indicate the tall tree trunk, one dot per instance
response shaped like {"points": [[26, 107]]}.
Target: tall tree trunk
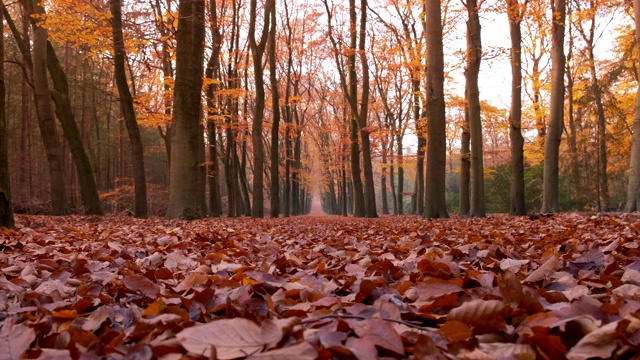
{"points": [[64, 112], [349, 84], [6, 207], [572, 134], [422, 144], [517, 196], [167, 72], [436, 205], [556, 111], [474, 55], [400, 187], [363, 114], [213, 74], [26, 191], [274, 190], [185, 182], [46, 121], [126, 104], [633, 188], [465, 165], [257, 52]]}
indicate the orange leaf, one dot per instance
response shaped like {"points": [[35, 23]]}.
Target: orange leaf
{"points": [[456, 331]]}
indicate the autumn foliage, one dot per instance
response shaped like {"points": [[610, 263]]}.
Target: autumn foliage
{"points": [[564, 286]]}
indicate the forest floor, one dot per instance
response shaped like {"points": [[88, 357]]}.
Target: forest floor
{"points": [[321, 287]]}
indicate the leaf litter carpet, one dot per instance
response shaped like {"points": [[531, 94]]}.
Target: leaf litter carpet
{"points": [[565, 286]]}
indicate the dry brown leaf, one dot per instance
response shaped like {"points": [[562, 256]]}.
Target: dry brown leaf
{"points": [[232, 338], [300, 351], [544, 270], [599, 343], [475, 312], [15, 339], [509, 351], [193, 279], [380, 333]]}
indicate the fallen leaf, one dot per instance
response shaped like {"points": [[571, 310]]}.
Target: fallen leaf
{"points": [[15, 339], [232, 338]]}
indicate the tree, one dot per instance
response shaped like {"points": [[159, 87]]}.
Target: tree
{"points": [[474, 56], [6, 207], [436, 206], [128, 112], [589, 37], [212, 73], [37, 71], [556, 110], [65, 115], [257, 52], [274, 190], [184, 179], [633, 187], [515, 13]]}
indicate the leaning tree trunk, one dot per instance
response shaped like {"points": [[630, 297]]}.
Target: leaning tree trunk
{"points": [[556, 111], [517, 206], [6, 208], [474, 55], [128, 111], [436, 205], [64, 112], [633, 188], [47, 122], [185, 180]]}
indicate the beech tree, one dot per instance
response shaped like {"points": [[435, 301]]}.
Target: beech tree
{"points": [[257, 53], [37, 71], [128, 112], [556, 110], [6, 207], [633, 187], [474, 56], [436, 205], [185, 182], [515, 13]]}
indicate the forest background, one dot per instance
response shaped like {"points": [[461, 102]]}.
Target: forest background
{"points": [[351, 106]]}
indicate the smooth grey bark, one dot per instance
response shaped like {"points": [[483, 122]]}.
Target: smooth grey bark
{"points": [[184, 175], [516, 191], [128, 111], [556, 110], [633, 187], [436, 205], [474, 56]]}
